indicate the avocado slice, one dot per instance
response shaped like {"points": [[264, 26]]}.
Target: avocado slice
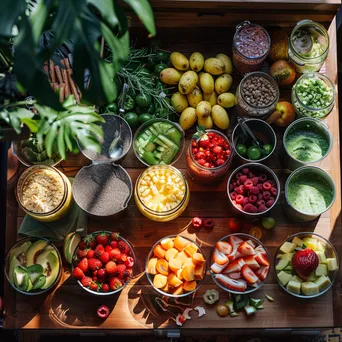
{"points": [[16, 252], [50, 263], [14, 263], [21, 278], [32, 251]]}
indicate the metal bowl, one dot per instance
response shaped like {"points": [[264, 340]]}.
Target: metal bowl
{"points": [[330, 252]]}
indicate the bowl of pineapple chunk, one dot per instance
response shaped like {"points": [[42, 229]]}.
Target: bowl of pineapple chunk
{"points": [[306, 265], [176, 266]]}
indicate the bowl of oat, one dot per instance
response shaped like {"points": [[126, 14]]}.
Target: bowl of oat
{"points": [[44, 193]]}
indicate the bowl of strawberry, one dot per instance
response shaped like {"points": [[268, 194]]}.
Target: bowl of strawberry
{"points": [[103, 263], [208, 156], [253, 190], [240, 263]]}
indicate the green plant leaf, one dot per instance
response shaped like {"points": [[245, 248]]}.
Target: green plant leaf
{"points": [[9, 14], [106, 8], [143, 10], [31, 124], [15, 117], [61, 142]]}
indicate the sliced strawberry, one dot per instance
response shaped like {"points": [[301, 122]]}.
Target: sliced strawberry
{"points": [[246, 249], [232, 255], [251, 262], [234, 240], [224, 247], [234, 266], [260, 250], [252, 243], [248, 274], [231, 284], [216, 268], [262, 260], [235, 275], [262, 272], [219, 258]]}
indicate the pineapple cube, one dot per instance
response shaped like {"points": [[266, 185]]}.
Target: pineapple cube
{"points": [[322, 282], [286, 256], [191, 249], [293, 286], [310, 243], [297, 279], [332, 264], [288, 247], [320, 246], [299, 242], [322, 269], [309, 288], [321, 256], [284, 277], [282, 264]]}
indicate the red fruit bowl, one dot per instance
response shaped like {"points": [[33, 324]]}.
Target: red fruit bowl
{"points": [[240, 263], [99, 273], [306, 265]]}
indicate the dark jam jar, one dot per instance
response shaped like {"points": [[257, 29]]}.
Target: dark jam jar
{"points": [[251, 45]]}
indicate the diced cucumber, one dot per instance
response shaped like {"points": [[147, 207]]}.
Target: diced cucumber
{"points": [[282, 264], [297, 279], [174, 135], [289, 269], [322, 282], [288, 247], [161, 127], [321, 256], [299, 242], [284, 277], [309, 288], [166, 140], [293, 286], [312, 277], [322, 269], [332, 264], [150, 147], [157, 155], [149, 158]]}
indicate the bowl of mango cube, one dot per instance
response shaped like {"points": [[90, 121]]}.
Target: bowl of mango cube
{"points": [[176, 266]]}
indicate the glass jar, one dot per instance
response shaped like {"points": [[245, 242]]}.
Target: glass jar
{"points": [[251, 45], [313, 96], [205, 175], [257, 95], [161, 193], [44, 193], [308, 46]]}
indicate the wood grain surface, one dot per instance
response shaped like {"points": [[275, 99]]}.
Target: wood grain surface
{"points": [[131, 308]]}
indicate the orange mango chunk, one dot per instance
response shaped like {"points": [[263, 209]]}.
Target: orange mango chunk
{"points": [[188, 262], [189, 285], [180, 242], [162, 266], [159, 281], [179, 274], [173, 281], [178, 290], [181, 256], [198, 258], [151, 266], [166, 288], [159, 252], [191, 249], [171, 254], [175, 264], [189, 273], [199, 271], [166, 243]]}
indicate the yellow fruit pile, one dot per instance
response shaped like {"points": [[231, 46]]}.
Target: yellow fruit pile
{"points": [[203, 87]]}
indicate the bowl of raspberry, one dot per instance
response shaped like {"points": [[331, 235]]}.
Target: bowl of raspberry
{"points": [[208, 156], [253, 190], [103, 263]]}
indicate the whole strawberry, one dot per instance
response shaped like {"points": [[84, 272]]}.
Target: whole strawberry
{"points": [[82, 245], [77, 273], [114, 244], [94, 264], [114, 283], [101, 273], [94, 286], [86, 281], [90, 254], [99, 250], [114, 236], [102, 239], [123, 247], [105, 287], [305, 262], [82, 253], [108, 248], [83, 265], [104, 257], [111, 267], [115, 254]]}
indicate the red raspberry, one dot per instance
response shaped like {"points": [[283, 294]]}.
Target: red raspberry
{"points": [[238, 175], [245, 170], [250, 208], [114, 244], [233, 195], [254, 190], [267, 186], [234, 202], [90, 254], [272, 198], [259, 186], [231, 187], [269, 203], [255, 180], [262, 178], [239, 206], [108, 248], [105, 287], [260, 202], [245, 201], [105, 257], [234, 184], [266, 195], [260, 197], [252, 198], [243, 179], [262, 208], [240, 189], [248, 184], [239, 199], [274, 191], [250, 175]]}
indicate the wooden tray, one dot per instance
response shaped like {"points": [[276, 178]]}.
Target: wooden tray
{"points": [[130, 310]]}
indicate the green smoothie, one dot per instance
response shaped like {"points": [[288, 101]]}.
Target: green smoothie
{"points": [[307, 145], [309, 193]]}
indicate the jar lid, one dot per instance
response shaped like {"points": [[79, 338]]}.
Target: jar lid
{"points": [[102, 189], [117, 140]]}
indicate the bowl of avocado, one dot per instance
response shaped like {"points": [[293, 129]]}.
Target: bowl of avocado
{"points": [[158, 142], [33, 266]]}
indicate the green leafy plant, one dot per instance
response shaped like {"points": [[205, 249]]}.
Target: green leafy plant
{"points": [[23, 28]]}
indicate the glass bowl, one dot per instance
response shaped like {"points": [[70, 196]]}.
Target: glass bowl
{"points": [[148, 124], [74, 264], [330, 252], [263, 251], [150, 277], [11, 255], [262, 169]]}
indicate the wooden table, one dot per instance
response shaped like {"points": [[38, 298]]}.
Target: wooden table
{"points": [[128, 310]]}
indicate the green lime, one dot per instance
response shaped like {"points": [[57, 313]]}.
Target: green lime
{"points": [[143, 100], [112, 108], [267, 149], [268, 222], [162, 56], [132, 119], [241, 149], [253, 153], [145, 117], [140, 110], [159, 68]]}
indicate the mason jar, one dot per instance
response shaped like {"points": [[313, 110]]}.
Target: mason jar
{"points": [[251, 45], [313, 95], [308, 46]]}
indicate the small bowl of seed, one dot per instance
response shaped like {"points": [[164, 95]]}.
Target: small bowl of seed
{"points": [[257, 95]]}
